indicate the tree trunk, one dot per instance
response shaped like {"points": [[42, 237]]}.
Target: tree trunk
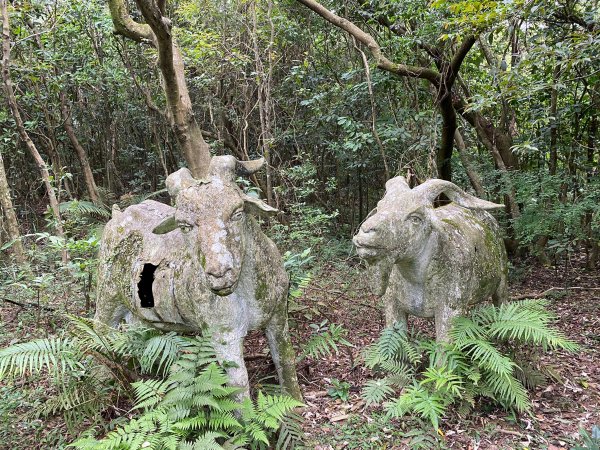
{"points": [[12, 226], [88, 175], [12, 102], [265, 105], [158, 33], [552, 165], [474, 177]]}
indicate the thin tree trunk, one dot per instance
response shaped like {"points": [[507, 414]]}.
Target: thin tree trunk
{"points": [[12, 225], [12, 102], [474, 177], [593, 242], [373, 115], [554, 130], [158, 33], [264, 96], [88, 175]]}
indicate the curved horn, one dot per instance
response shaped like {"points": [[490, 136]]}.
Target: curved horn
{"points": [[246, 168], [228, 165], [179, 180], [431, 189], [397, 184]]}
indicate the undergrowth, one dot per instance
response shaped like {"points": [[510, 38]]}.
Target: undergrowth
{"points": [[492, 354], [179, 391]]}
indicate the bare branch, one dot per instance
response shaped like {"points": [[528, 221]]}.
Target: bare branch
{"points": [[366, 39], [126, 26]]}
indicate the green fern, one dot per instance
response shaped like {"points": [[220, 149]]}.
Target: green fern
{"points": [[82, 208], [325, 341], [479, 361], [375, 391], [183, 402]]}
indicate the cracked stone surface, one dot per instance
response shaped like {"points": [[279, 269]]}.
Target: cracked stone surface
{"points": [[214, 268], [432, 261]]}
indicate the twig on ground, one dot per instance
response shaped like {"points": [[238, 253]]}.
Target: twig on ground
{"points": [[547, 291], [28, 305]]}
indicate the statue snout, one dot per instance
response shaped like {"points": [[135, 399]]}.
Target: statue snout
{"points": [[221, 280]]}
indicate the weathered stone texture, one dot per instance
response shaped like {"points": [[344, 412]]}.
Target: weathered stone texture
{"points": [[432, 262], [207, 264]]}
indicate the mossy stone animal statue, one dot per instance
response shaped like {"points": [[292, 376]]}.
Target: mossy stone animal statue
{"points": [[432, 262], [203, 263]]}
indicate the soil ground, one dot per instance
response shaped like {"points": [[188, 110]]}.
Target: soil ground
{"points": [[338, 294], [560, 408]]}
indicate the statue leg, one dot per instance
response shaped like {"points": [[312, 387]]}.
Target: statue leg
{"points": [[110, 311], [394, 314], [283, 354], [230, 348], [501, 294], [443, 322]]}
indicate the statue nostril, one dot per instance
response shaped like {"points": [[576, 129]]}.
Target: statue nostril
{"points": [[218, 273], [369, 228]]}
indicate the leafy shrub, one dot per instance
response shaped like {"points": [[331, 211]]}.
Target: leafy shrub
{"points": [[490, 355], [297, 266], [339, 389], [180, 393]]}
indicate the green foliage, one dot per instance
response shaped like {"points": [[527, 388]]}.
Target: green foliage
{"points": [[297, 266], [182, 402], [339, 389], [324, 340], [309, 224], [487, 357], [590, 442]]}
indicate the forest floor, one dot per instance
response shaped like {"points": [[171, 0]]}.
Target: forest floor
{"points": [[338, 294], [560, 408]]}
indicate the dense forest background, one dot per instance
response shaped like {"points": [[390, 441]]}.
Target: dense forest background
{"points": [[500, 97], [277, 80]]}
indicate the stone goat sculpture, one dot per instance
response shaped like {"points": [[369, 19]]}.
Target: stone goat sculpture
{"points": [[432, 262], [205, 262]]}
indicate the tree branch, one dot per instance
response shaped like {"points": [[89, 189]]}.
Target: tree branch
{"points": [[126, 26], [401, 31], [369, 41], [458, 59]]}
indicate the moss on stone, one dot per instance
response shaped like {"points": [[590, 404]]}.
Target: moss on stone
{"points": [[261, 292], [451, 222]]}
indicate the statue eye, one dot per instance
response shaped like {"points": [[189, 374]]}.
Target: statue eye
{"points": [[238, 215], [415, 220], [185, 227]]}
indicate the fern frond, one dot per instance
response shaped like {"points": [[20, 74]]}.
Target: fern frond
{"points": [[508, 391], [326, 342], [291, 436], [149, 392], [487, 356], [55, 354], [79, 208], [375, 391], [271, 409]]}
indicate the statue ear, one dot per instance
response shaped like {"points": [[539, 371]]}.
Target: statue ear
{"points": [[257, 207], [166, 226], [397, 184], [245, 168], [179, 180]]}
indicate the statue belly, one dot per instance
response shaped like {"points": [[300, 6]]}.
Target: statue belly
{"points": [[414, 303]]}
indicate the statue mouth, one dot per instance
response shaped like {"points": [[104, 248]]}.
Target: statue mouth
{"points": [[363, 246], [223, 292], [221, 286]]}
